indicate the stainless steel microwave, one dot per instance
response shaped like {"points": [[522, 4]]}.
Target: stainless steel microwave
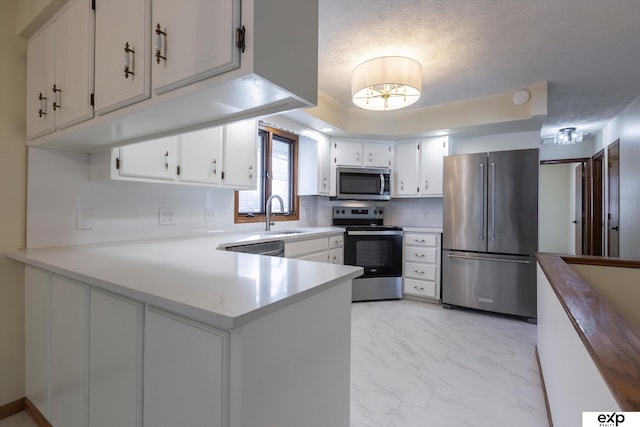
{"points": [[363, 183]]}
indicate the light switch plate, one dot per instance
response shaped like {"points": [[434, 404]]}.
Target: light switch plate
{"points": [[166, 216]]}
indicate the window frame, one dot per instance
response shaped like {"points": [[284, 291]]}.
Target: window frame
{"points": [[294, 214]]}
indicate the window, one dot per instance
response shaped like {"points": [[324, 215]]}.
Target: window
{"points": [[277, 172]]}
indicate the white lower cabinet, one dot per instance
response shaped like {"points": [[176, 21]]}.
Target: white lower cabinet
{"points": [[38, 339], [325, 249], [69, 353], [421, 270], [185, 372], [115, 360]]}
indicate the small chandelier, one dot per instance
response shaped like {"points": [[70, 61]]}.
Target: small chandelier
{"points": [[387, 83], [567, 136]]}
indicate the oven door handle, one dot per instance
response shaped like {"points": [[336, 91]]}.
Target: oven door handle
{"points": [[375, 233]]}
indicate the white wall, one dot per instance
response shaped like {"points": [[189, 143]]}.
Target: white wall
{"points": [[626, 127], [12, 203], [502, 142], [58, 184]]}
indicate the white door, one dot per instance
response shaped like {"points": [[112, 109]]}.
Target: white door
{"points": [[41, 51], [69, 351], [378, 155], [348, 153], [120, 25], [74, 64], [432, 154], [198, 41], [201, 156], [155, 159], [37, 339], [406, 169], [115, 386], [185, 372], [240, 154]]}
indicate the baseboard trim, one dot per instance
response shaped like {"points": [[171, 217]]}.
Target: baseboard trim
{"points": [[11, 408], [544, 389], [35, 414]]}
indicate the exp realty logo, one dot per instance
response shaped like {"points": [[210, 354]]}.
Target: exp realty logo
{"points": [[611, 419]]}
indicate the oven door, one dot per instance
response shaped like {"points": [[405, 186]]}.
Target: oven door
{"points": [[379, 252]]}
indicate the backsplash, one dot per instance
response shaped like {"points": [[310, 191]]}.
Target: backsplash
{"points": [[58, 186]]}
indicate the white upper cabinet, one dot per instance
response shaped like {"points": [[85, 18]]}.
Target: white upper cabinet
{"points": [[432, 154], [191, 65], [354, 153], [240, 155], [123, 33], [155, 159], [40, 80], [419, 168], [314, 167], [378, 155], [60, 71], [193, 40], [201, 156], [407, 158]]}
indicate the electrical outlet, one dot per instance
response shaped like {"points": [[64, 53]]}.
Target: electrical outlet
{"points": [[209, 216], [84, 219], [166, 216]]}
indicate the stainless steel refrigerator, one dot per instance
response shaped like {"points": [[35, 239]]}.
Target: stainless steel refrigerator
{"points": [[491, 231]]}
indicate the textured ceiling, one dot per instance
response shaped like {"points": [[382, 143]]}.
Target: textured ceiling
{"points": [[587, 50]]}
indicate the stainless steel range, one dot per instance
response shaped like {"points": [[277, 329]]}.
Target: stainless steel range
{"points": [[373, 246]]}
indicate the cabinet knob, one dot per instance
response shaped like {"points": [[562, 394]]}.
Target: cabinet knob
{"points": [[324, 182], [166, 160], [426, 184], [358, 156], [128, 61], [250, 171], [402, 185], [159, 45], [215, 166], [370, 157]]}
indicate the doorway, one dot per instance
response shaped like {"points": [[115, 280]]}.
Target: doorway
{"points": [[613, 201]]}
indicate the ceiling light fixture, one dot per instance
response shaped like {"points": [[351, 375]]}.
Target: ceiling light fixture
{"points": [[567, 136], [442, 132], [386, 83]]}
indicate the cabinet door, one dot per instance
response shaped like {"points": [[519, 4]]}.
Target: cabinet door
{"points": [[336, 256], [69, 353], [432, 154], [37, 339], [185, 372], [348, 153], [240, 154], [314, 166], [115, 391], [120, 23], [40, 79], [199, 41], [74, 64], [201, 156], [406, 169], [153, 159], [324, 167], [378, 155]]}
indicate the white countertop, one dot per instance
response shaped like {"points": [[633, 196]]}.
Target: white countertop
{"points": [[190, 277], [422, 229]]}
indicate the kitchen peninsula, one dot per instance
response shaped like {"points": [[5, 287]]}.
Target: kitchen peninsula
{"points": [[175, 332]]}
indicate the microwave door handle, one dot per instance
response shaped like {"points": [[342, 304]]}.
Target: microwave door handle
{"points": [[381, 184]]}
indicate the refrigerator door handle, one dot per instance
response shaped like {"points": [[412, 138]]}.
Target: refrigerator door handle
{"points": [[517, 261], [493, 201], [484, 197]]}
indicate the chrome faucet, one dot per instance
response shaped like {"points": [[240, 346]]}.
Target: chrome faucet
{"points": [[268, 208]]}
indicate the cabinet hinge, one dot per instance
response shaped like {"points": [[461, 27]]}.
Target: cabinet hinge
{"points": [[117, 163], [240, 34], [93, 5], [92, 100], [178, 170]]}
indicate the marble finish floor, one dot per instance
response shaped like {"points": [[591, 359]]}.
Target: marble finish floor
{"points": [[415, 364]]}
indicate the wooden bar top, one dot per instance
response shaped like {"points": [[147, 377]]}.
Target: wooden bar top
{"points": [[612, 342]]}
